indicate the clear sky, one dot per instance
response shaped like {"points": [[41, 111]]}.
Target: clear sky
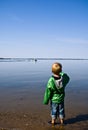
{"points": [[44, 28]]}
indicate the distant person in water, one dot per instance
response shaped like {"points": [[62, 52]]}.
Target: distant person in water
{"points": [[55, 93]]}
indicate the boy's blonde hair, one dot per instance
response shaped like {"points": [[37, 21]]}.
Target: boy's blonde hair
{"points": [[56, 68]]}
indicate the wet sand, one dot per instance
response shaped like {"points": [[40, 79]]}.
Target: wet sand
{"points": [[26, 112], [39, 120]]}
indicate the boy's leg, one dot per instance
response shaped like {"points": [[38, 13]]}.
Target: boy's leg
{"points": [[53, 112], [61, 112]]}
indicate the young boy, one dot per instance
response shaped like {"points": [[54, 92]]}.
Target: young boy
{"points": [[55, 92]]}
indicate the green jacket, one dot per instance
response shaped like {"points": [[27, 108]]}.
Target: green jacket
{"points": [[53, 93]]}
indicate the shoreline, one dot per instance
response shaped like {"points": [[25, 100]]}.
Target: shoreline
{"points": [[25, 111], [37, 116], [38, 120]]}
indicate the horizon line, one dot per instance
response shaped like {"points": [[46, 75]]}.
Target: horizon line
{"points": [[32, 58]]}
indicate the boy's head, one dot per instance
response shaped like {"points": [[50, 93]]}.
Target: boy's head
{"points": [[56, 68]]}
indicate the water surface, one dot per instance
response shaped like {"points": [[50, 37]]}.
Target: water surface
{"points": [[22, 86]]}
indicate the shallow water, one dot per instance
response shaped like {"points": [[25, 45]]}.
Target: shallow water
{"points": [[22, 86]]}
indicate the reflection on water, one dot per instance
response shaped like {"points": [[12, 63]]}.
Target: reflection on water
{"points": [[26, 73]]}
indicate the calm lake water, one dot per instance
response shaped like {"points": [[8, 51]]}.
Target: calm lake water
{"points": [[22, 86], [23, 80]]}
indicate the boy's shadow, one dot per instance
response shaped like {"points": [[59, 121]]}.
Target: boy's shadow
{"points": [[76, 119]]}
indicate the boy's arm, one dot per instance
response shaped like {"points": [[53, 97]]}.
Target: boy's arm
{"points": [[48, 94], [65, 79]]}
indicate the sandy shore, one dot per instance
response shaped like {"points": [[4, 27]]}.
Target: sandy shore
{"points": [[26, 112], [37, 117], [40, 120]]}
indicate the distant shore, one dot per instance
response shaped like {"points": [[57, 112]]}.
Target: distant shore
{"points": [[43, 58]]}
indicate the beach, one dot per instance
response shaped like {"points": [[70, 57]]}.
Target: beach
{"points": [[25, 114], [38, 117], [22, 87]]}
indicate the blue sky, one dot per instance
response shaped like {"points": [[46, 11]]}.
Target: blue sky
{"points": [[44, 28]]}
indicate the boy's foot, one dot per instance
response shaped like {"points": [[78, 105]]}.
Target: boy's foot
{"points": [[53, 124], [53, 121], [62, 121]]}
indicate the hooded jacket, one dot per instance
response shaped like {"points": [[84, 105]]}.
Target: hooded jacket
{"points": [[55, 90]]}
